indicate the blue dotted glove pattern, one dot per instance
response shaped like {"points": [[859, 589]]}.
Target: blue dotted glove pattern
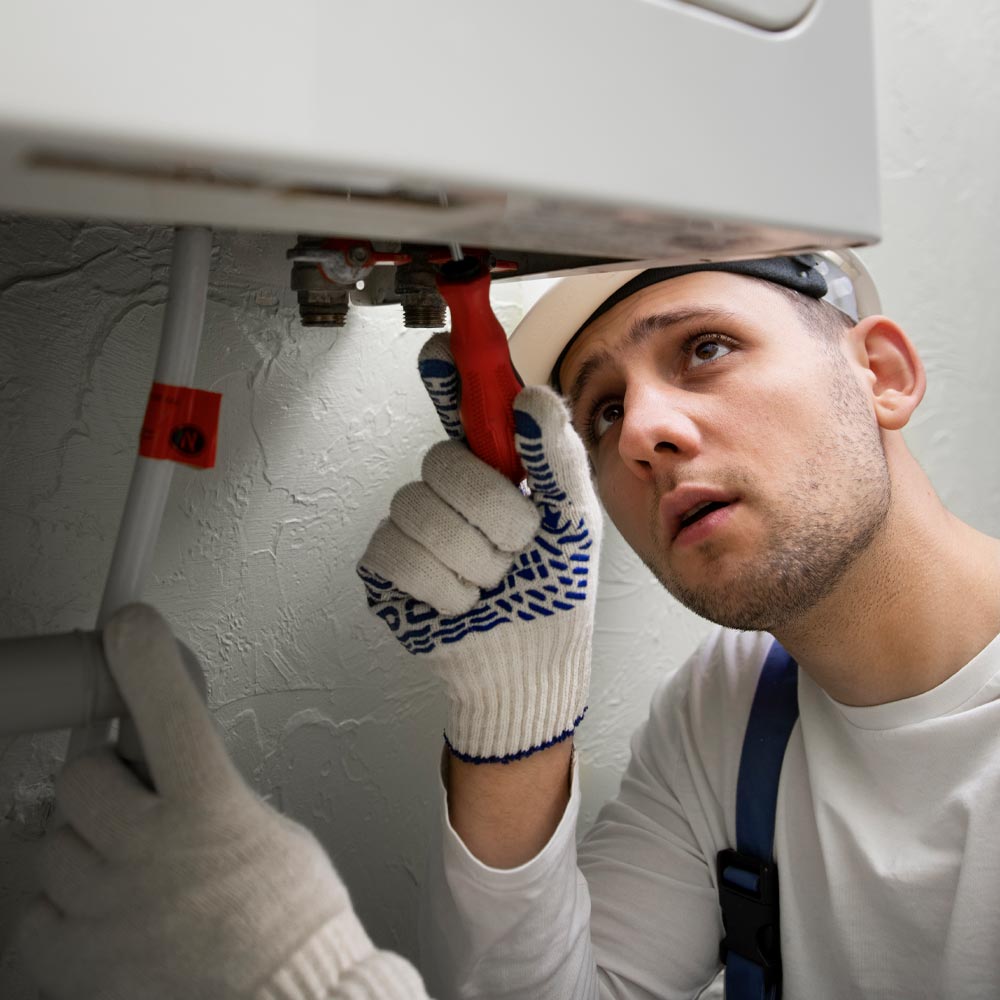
{"points": [[441, 381], [550, 576]]}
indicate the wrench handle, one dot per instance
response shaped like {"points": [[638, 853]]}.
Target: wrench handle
{"points": [[488, 380]]}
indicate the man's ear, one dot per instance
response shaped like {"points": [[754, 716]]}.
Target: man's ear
{"points": [[895, 373]]}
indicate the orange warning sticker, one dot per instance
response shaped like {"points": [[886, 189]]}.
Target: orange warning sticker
{"points": [[181, 425]]}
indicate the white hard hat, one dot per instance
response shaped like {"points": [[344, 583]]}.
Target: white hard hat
{"points": [[539, 340]]}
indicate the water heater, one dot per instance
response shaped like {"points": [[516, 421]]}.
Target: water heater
{"points": [[604, 130]]}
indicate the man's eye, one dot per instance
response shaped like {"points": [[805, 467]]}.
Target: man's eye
{"points": [[708, 349], [605, 414]]}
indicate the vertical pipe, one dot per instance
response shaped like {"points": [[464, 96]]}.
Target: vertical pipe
{"points": [[150, 484]]}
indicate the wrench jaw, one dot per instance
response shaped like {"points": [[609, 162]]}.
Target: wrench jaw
{"points": [[330, 274]]}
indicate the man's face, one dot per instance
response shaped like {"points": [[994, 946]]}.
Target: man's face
{"points": [[736, 451]]}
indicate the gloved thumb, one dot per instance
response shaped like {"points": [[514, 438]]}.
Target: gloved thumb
{"points": [[186, 756], [553, 454], [439, 374]]}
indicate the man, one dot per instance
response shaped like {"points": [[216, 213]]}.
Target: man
{"points": [[746, 441], [745, 437]]}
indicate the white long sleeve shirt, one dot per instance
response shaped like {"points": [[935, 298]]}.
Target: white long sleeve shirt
{"points": [[887, 842]]}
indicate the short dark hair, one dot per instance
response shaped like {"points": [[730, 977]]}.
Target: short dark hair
{"points": [[819, 316]]}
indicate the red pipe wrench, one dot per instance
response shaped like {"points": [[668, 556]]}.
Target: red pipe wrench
{"points": [[489, 381]]}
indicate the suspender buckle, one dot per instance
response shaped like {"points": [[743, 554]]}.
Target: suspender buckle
{"points": [[748, 896]]}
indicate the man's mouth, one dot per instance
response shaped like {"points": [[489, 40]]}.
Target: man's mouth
{"points": [[688, 505], [700, 510]]}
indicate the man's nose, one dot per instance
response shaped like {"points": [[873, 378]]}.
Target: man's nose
{"points": [[657, 429]]}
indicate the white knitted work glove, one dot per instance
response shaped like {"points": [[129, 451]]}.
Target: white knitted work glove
{"points": [[494, 590], [198, 890]]}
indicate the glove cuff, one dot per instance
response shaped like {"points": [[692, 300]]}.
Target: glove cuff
{"points": [[513, 696], [317, 967], [339, 962]]}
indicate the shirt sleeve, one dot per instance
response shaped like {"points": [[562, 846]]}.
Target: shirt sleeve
{"points": [[634, 914], [507, 933]]}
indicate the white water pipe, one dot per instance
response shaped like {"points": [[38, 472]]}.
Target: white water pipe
{"points": [[61, 681], [54, 682], [150, 484]]}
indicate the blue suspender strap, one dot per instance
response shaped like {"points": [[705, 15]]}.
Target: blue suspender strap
{"points": [[748, 876]]}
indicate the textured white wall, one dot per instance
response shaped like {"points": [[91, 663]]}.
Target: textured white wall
{"points": [[255, 567]]}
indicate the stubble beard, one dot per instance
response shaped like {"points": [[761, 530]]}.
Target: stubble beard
{"points": [[831, 514]]}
